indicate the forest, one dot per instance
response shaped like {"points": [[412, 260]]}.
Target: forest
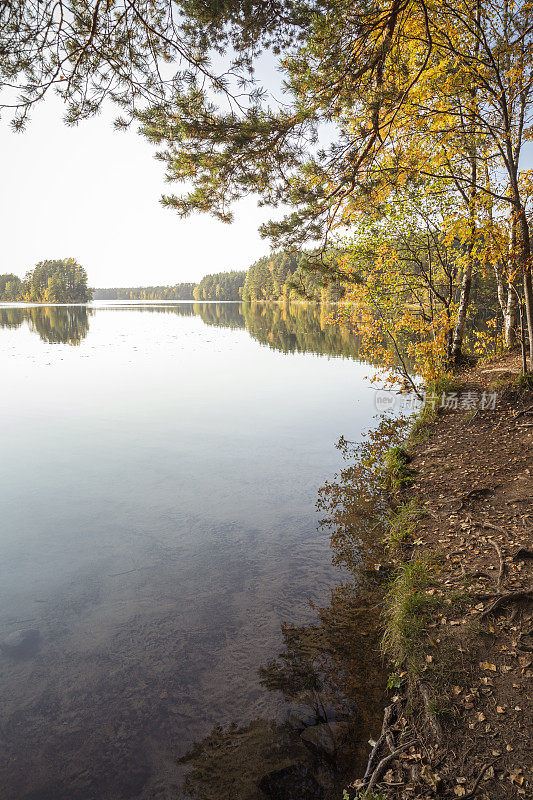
{"points": [[52, 281], [181, 291], [280, 276], [291, 275], [220, 286]]}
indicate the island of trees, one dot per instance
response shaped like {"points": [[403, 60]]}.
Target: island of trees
{"points": [[53, 281]]}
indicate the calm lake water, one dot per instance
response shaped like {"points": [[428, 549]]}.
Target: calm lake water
{"points": [[160, 469]]}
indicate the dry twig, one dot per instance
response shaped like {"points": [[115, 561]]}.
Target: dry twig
{"points": [[475, 787]]}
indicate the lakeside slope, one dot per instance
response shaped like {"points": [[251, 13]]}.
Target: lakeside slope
{"points": [[459, 618]]}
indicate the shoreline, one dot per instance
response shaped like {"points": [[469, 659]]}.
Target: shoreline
{"points": [[458, 610]]}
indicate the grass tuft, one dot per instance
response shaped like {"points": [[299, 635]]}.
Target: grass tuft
{"points": [[398, 473], [403, 521], [408, 609], [524, 381]]}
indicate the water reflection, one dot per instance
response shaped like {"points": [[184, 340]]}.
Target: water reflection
{"points": [[329, 672], [53, 324], [297, 328], [294, 328], [169, 531]]}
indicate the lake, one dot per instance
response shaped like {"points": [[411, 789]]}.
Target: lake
{"points": [[160, 471]]}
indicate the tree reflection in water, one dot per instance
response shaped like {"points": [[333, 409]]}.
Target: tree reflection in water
{"points": [[54, 324], [330, 672], [291, 328], [301, 328]]}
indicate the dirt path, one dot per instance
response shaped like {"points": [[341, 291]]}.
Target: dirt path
{"points": [[460, 612]]}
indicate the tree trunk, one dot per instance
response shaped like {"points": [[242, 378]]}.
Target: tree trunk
{"points": [[460, 325], [528, 299], [466, 283], [524, 251], [508, 307], [510, 318]]}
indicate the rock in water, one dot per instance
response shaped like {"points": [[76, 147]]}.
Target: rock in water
{"points": [[300, 721], [294, 782], [21, 644], [320, 739]]}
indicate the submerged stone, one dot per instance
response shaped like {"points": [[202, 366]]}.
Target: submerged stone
{"points": [[300, 721], [320, 739], [21, 644], [291, 783]]}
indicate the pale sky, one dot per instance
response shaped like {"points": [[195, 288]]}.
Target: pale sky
{"points": [[92, 193]]}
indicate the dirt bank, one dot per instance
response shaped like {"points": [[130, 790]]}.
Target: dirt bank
{"points": [[459, 622]]}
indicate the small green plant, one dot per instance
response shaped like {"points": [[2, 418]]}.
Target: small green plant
{"points": [[444, 385], [440, 708], [396, 679], [524, 381], [398, 473]]}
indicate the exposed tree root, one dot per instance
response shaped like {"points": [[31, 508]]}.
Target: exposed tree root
{"points": [[380, 769], [504, 599], [524, 411], [385, 737], [434, 724]]}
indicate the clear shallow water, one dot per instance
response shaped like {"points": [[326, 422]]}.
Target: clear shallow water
{"points": [[160, 468]]}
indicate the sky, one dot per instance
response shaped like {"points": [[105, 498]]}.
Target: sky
{"points": [[92, 193]]}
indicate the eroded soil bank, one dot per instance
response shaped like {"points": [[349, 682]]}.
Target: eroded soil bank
{"points": [[459, 619]]}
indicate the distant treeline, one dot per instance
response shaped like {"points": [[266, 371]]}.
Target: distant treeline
{"points": [[279, 276], [181, 291], [289, 276], [221, 286], [52, 281]]}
